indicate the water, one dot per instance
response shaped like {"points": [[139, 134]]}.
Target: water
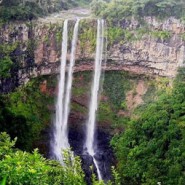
{"points": [[70, 76], [60, 137], [64, 95], [90, 139]]}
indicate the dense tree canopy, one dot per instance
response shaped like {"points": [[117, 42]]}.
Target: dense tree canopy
{"points": [[18, 167], [139, 8], [152, 149], [31, 9]]}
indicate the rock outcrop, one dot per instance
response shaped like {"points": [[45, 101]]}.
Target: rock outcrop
{"points": [[39, 49], [154, 52]]}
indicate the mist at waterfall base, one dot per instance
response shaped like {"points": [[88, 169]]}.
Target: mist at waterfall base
{"points": [[90, 143]]}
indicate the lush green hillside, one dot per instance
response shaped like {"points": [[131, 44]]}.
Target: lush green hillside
{"points": [[149, 145], [151, 150]]}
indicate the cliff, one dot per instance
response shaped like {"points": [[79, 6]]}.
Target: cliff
{"points": [[153, 48], [159, 50]]}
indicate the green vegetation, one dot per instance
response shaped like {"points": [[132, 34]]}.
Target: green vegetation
{"points": [[80, 3], [5, 66], [151, 150], [19, 10], [87, 36], [162, 35], [115, 34], [120, 83], [119, 9], [114, 99], [32, 9], [105, 113], [78, 108], [6, 62], [183, 36], [25, 109], [81, 78], [18, 167], [120, 35]]}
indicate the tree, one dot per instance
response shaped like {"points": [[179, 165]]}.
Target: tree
{"points": [[118, 9], [152, 149], [19, 167]]}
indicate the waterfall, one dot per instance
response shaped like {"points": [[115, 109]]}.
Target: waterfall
{"points": [[64, 94], [90, 140], [70, 76], [60, 137]]}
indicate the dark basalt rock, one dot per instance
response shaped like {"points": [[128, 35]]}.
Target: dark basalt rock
{"points": [[103, 152]]}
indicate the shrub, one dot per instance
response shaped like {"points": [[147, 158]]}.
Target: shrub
{"points": [[19, 167], [151, 150], [118, 9], [5, 66]]}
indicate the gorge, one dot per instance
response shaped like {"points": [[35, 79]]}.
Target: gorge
{"points": [[106, 84]]}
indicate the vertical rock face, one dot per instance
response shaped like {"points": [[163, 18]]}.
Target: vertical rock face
{"points": [[149, 56], [39, 48], [171, 24], [160, 51]]}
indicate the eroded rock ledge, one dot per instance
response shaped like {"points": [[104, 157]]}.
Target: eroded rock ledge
{"points": [[39, 49]]}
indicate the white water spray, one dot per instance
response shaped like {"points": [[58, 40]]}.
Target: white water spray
{"points": [[70, 76], [63, 100], [60, 137], [90, 141]]}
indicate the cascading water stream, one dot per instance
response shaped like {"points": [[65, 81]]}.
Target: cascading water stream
{"points": [[90, 140], [60, 137], [70, 76], [64, 95]]}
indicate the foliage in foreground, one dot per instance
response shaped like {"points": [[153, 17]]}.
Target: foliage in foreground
{"points": [[18, 167], [152, 149]]}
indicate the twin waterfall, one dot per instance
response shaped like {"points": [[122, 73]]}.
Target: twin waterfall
{"points": [[60, 135], [64, 94]]}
